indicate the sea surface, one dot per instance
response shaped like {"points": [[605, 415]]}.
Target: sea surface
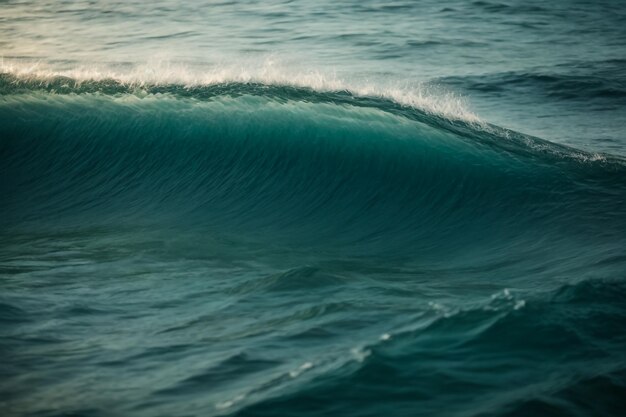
{"points": [[312, 208]]}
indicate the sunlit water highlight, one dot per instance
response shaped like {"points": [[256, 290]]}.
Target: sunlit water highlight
{"points": [[312, 209]]}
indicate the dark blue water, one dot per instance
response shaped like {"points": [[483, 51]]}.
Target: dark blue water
{"points": [[312, 209]]}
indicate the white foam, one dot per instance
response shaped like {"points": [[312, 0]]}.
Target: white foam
{"points": [[417, 95], [229, 403], [360, 353], [296, 372], [504, 299], [441, 309]]}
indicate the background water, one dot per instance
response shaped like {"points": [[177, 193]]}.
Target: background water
{"points": [[312, 208]]}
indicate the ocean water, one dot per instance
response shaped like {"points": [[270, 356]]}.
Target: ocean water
{"points": [[290, 208]]}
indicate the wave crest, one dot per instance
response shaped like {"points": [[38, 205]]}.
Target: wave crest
{"points": [[429, 98]]}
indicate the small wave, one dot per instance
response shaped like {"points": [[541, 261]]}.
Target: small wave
{"points": [[602, 291], [225, 372], [297, 279], [12, 314], [583, 87], [492, 347]]}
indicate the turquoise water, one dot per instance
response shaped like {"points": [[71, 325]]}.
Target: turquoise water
{"points": [[330, 208]]}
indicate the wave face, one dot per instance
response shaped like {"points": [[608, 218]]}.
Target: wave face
{"points": [[288, 161], [265, 249]]}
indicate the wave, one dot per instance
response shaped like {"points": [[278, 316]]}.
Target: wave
{"points": [[582, 85], [491, 346], [287, 161], [162, 75]]}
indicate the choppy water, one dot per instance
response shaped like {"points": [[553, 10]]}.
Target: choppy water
{"points": [[311, 209]]}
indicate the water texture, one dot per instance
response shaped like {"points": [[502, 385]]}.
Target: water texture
{"points": [[312, 209]]}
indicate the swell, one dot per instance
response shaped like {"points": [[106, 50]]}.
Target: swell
{"points": [[290, 163], [491, 347]]}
